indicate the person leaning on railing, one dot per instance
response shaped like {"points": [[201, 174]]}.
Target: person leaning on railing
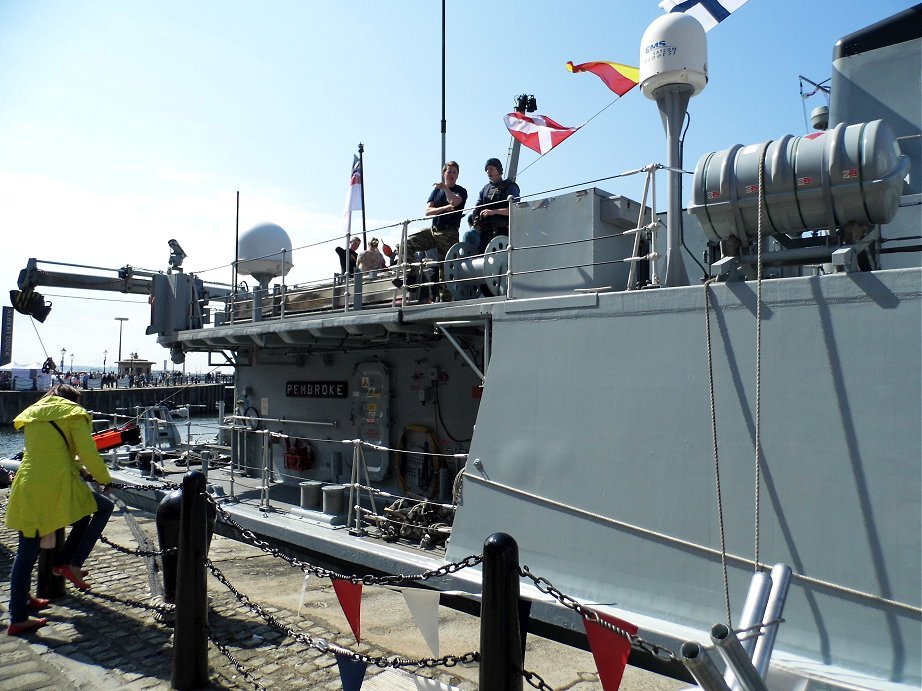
{"points": [[491, 216], [444, 205], [49, 493]]}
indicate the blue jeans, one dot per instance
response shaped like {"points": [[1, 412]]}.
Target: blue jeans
{"points": [[84, 533], [26, 554], [473, 237], [77, 548]]}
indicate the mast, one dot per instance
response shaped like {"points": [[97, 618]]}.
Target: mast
{"points": [[524, 103], [444, 121], [362, 192]]}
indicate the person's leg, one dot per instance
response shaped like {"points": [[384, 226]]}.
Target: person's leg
{"points": [[472, 237], [21, 575], [74, 538], [97, 523], [420, 242], [444, 241]]}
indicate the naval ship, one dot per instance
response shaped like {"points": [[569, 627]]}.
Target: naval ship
{"points": [[656, 404]]}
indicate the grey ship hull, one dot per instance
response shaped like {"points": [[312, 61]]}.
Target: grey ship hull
{"points": [[592, 446]]}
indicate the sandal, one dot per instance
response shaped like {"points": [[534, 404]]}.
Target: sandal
{"points": [[74, 577], [26, 626], [37, 603]]}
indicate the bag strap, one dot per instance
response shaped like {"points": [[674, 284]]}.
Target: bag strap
{"points": [[61, 432]]}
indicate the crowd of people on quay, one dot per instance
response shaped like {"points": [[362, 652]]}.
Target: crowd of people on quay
{"points": [[110, 380]]}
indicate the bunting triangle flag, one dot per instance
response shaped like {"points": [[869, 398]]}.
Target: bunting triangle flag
{"points": [[303, 592], [609, 649], [350, 599], [424, 606], [617, 77], [351, 672], [538, 132]]}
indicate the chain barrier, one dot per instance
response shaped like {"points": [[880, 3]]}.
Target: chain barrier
{"points": [[546, 587], [241, 670], [535, 681], [148, 488], [327, 648], [137, 551], [388, 580], [137, 604]]}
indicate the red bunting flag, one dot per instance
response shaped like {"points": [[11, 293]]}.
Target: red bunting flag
{"points": [[609, 649], [617, 77], [538, 132], [350, 599]]}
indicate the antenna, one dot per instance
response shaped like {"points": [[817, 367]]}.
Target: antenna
{"points": [[673, 68]]}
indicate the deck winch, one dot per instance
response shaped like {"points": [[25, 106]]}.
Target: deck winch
{"points": [[469, 274]]}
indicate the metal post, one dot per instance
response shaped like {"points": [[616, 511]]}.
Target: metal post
{"points": [[264, 485], [728, 645], [781, 579], [702, 667], [500, 635], [672, 100], [752, 615], [190, 637]]}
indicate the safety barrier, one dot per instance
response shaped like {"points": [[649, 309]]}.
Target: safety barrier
{"points": [[502, 639]]}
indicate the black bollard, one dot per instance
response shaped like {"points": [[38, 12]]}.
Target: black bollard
{"points": [[168, 512], [190, 636], [47, 584], [501, 655]]}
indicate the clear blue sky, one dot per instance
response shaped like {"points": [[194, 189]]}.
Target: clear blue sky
{"points": [[125, 124]]}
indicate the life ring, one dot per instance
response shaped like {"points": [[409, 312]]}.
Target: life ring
{"points": [[251, 419], [431, 490]]}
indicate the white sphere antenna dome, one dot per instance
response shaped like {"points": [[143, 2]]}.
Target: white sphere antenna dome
{"points": [[264, 252], [673, 52]]}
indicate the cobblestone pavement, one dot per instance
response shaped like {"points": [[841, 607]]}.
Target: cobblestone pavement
{"points": [[98, 640]]}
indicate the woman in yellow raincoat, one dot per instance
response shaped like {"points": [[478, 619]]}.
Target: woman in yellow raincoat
{"points": [[49, 493]]}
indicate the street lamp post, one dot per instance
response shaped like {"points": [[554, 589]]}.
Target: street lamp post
{"points": [[71, 362], [121, 322], [104, 354], [63, 353]]}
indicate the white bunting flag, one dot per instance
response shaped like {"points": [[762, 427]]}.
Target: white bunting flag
{"points": [[424, 606], [303, 592]]}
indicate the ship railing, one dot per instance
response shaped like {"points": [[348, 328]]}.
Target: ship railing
{"points": [[354, 497], [506, 270]]}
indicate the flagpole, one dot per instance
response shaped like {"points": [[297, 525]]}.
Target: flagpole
{"points": [[236, 242], [362, 190], [523, 103]]}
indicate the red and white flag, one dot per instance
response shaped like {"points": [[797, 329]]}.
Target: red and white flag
{"points": [[537, 132], [354, 193]]}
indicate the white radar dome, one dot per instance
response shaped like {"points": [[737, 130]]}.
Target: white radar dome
{"points": [[673, 52], [264, 252]]}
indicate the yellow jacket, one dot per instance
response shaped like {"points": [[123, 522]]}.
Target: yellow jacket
{"points": [[48, 492]]}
